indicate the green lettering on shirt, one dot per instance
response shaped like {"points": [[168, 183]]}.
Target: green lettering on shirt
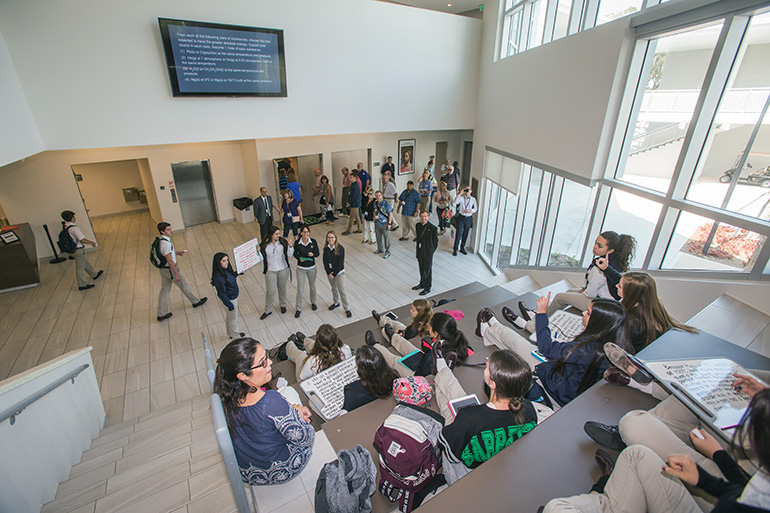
{"points": [[490, 443]]}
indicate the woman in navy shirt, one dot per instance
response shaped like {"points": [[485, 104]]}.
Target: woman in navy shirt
{"points": [[223, 278], [272, 438], [292, 213]]}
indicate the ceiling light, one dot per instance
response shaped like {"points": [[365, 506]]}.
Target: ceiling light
{"points": [[449, 5]]}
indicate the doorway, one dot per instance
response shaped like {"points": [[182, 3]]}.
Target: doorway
{"points": [[441, 151], [304, 167], [195, 191], [467, 154]]}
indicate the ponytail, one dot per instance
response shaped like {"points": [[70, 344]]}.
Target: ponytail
{"points": [[452, 338], [623, 246], [515, 404]]}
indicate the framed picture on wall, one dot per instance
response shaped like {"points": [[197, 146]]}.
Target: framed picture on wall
{"points": [[406, 156]]}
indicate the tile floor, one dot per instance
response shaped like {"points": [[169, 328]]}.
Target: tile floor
{"points": [[143, 365]]}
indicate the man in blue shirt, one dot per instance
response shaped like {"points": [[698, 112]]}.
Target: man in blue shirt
{"points": [[409, 200], [363, 177], [383, 217], [425, 187]]}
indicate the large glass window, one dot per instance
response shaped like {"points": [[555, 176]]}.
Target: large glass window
{"points": [[692, 246], [492, 197], [739, 138], [613, 9], [509, 222], [673, 83], [575, 207], [561, 20], [511, 33], [635, 216]]}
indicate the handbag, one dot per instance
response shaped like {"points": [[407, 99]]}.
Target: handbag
{"points": [[295, 219], [322, 201]]}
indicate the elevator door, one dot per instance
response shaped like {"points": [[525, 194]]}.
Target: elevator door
{"points": [[195, 192]]}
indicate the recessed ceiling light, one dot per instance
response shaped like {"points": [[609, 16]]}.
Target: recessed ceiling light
{"points": [[449, 5]]}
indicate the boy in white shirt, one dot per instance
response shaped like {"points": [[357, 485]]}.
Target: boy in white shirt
{"points": [[82, 265], [170, 274]]}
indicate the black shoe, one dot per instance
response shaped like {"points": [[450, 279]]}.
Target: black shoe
{"points": [[201, 302], [525, 312], [414, 240], [627, 363], [89, 286], [280, 353], [98, 274], [164, 317], [463, 251], [369, 338], [389, 331], [299, 339], [333, 306], [297, 314], [484, 316], [514, 319], [314, 307], [346, 232], [425, 292], [604, 435], [605, 461], [242, 334], [264, 316], [403, 238], [283, 309], [349, 313], [376, 316], [417, 287], [454, 253], [394, 229]]}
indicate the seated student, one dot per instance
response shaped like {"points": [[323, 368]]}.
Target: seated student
{"points": [[635, 482], [318, 355], [612, 256], [272, 436], [480, 432], [421, 313], [375, 379], [572, 367], [646, 317]]}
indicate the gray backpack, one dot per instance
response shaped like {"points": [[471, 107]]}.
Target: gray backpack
{"points": [[346, 484]]}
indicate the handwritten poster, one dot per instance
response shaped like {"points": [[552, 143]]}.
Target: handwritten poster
{"points": [[709, 383], [246, 255]]}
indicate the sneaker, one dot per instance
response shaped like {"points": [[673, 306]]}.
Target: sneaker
{"points": [[627, 363], [164, 317], [201, 302], [386, 255]]}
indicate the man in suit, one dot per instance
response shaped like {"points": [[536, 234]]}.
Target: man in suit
{"points": [[263, 210], [427, 243]]}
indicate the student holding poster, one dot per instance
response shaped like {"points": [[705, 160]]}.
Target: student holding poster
{"points": [[223, 278]]}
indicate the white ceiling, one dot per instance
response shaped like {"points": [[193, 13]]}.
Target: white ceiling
{"points": [[456, 7]]}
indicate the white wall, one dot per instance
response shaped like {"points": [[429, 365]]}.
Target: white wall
{"points": [[94, 73], [18, 132], [551, 104], [103, 183]]}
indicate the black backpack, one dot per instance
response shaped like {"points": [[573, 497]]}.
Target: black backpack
{"points": [[156, 258], [65, 242]]}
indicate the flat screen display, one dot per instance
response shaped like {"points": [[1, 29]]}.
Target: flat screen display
{"points": [[208, 59]]}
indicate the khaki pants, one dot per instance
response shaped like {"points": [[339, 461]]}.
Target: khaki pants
{"points": [[298, 356], [505, 338], [354, 218], [302, 275], [369, 231], [232, 320], [399, 343], [407, 223], [276, 280], [82, 267], [338, 290], [637, 485], [570, 298], [167, 279], [392, 204]]}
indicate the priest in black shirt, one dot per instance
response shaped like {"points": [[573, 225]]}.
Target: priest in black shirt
{"points": [[427, 243]]}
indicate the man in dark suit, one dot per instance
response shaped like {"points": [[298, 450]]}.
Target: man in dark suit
{"points": [[263, 210], [427, 243]]}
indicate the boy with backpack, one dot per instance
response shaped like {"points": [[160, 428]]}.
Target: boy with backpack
{"points": [[72, 240], [163, 256]]}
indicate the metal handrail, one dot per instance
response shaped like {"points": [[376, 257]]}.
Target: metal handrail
{"points": [[16, 409]]}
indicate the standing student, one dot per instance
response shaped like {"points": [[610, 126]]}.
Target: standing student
{"points": [[224, 280], [367, 207], [363, 176], [334, 265], [326, 200], [425, 188], [426, 245], [354, 204], [294, 186], [263, 209], [407, 204], [276, 252], [466, 207], [390, 194], [346, 181], [305, 251], [383, 218], [443, 199], [292, 213], [171, 274], [82, 265]]}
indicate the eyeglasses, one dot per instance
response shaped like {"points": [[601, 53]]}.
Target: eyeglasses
{"points": [[262, 363]]}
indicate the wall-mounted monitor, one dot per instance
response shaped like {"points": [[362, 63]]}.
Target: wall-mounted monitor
{"points": [[210, 59]]}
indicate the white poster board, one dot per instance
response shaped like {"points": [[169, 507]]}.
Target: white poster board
{"points": [[246, 255]]}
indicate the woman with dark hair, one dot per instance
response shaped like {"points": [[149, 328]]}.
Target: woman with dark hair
{"points": [[635, 482], [508, 379], [327, 199], [448, 340], [272, 436], [334, 265], [276, 252], [375, 379], [571, 367], [612, 256], [646, 317], [398, 334], [292, 213], [223, 278], [319, 354], [305, 251]]}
